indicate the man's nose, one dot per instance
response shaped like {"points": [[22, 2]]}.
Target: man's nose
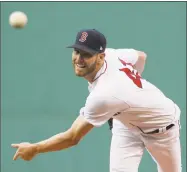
{"points": [[80, 59]]}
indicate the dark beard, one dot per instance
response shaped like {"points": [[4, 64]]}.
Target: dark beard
{"points": [[89, 69]]}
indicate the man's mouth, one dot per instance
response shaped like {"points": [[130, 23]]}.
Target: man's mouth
{"points": [[80, 65]]}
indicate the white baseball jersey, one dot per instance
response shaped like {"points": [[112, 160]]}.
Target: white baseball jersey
{"points": [[119, 92]]}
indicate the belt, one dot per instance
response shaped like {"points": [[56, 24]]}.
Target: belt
{"points": [[158, 130]]}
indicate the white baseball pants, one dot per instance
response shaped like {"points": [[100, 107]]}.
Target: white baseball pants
{"points": [[127, 148]]}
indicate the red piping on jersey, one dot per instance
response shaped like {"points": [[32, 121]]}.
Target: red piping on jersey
{"points": [[101, 73]]}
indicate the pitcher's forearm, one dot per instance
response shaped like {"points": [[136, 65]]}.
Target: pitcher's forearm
{"points": [[55, 143]]}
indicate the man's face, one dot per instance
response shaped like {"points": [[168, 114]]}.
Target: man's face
{"points": [[83, 62]]}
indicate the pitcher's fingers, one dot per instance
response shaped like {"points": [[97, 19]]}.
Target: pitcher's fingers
{"points": [[15, 145], [16, 155]]}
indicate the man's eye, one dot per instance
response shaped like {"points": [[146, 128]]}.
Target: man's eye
{"points": [[77, 52], [87, 55]]}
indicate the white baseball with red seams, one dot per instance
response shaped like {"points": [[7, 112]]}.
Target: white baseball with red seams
{"points": [[140, 105]]}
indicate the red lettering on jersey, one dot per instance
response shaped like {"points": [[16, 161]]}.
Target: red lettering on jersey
{"points": [[131, 73]]}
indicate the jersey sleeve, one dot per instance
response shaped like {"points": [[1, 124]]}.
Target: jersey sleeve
{"points": [[128, 55], [98, 110]]}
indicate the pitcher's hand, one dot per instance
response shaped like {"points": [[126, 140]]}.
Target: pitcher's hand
{"points": [[25, 151]]}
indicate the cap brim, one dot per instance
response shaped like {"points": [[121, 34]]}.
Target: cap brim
{"points": [[83, 48]]}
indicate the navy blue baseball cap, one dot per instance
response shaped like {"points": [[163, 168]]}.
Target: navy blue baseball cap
{"points": [[90, 40]]}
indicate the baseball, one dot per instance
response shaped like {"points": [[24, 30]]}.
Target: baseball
{"points": [[18, 19]]}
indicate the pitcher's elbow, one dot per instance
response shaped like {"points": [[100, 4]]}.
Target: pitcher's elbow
{"points": [[75, 141], [143, 56]]}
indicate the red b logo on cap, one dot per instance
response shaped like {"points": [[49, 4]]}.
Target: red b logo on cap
{"points": [[83, 37]]}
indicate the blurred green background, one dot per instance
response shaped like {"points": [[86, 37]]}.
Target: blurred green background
{"points": [[41, 96]]}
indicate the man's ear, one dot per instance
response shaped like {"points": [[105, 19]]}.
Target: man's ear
{"points": [[102, 56]]}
